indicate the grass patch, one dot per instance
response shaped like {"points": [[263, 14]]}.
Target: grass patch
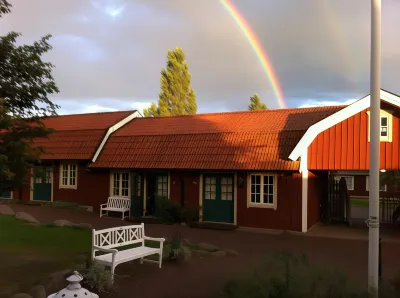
{"points": [[30, 253], [357, 202]]}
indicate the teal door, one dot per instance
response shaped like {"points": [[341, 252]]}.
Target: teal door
{"points": [[5, 194], [136, 195], [42, 180], [218, 204]]}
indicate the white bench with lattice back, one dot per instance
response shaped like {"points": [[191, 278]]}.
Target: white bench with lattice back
{"points": [[116, 204], [109, 239]]}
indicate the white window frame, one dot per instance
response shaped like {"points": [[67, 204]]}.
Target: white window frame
{"points": [[367, 185], [383, 114], [61, 172], [120, 183], [250, 204], [338, 177]]}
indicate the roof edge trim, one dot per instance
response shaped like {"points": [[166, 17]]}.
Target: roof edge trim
{"points": [[356, 107], [112, 129]]}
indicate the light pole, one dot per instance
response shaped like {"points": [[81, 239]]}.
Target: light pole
{"points": [[375, 124]]}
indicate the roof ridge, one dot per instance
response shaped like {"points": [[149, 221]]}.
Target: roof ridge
{"points": [[249, 112], [208, 133], [94, 113]]}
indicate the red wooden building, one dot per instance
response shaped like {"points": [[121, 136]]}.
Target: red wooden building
{"points": [[265, 169], [62, 174]]}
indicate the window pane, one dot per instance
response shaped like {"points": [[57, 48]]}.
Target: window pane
{"points": [[116, 184], [257, 198], [384, 121], [258, 187], [271, 179]]}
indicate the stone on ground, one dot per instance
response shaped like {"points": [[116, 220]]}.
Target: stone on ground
{"points": [[26, 217], [232, 253], [6, 210], [56, 281], [38, 292], [63, 223], [84, 225], [219, 253], [201, 253], [21, 295], [206, 246]]}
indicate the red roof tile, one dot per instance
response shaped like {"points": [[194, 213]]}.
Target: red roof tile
{"points": [[85, 121], [259, 140], [77, 136]]}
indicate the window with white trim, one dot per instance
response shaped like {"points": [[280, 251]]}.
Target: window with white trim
{"points": [[385, 126], [68, 176], [162, 186], [120, 184], [381, 187], [349, 181], [262, 190]]}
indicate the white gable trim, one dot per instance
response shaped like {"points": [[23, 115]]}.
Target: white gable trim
{"points": [[347, 112], [112, 129]]}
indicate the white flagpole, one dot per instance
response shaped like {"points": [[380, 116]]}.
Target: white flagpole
{"points": [[375, 124]]}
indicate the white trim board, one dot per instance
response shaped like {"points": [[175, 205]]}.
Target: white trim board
{"points": [[112, 129], [356, 107]]}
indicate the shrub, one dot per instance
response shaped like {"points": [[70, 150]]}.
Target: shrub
{"points": [[287, 275], [190, 214], [176, 250], [168, 211], [67, 205], [96, 277]]}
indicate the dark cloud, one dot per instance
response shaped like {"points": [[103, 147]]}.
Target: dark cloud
{"points": [[109, 53]]}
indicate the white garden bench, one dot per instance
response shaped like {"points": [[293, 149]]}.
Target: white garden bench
{"points": [[109, 239], [117, 204]]}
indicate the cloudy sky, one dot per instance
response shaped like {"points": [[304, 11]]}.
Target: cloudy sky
{"points": [[108, 53]]}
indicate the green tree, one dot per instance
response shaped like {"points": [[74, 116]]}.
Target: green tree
{"points": [[25, 83], [177, 97], [256, 103]]}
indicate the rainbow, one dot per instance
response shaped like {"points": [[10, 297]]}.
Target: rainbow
{"points": [[258, 49]]}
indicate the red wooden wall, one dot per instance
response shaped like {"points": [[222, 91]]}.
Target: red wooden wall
{"points": [[93, 188], [190, 190], [287, 216], [345, 146]]}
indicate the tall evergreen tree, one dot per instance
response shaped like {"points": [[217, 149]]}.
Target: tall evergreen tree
{"points": [[176, 97], [25, 83], [256, 103]]}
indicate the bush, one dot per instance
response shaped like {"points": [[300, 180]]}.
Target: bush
{"points": [[176, 250], [190, 214], [286, 276], [96, 277], [168, 211]]}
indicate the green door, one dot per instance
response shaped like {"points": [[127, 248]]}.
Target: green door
{"points": [[160, 194], [42, 179], [136, 195], [218, 205], [5, 194]]}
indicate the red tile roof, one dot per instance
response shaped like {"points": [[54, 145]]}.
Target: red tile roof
{"points": [[260, 140], [77, 136]]}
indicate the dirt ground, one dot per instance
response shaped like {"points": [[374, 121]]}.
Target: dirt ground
{"points": [[202, 277]]}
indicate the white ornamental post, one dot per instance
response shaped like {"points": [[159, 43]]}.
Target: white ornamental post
{"points": [[74, 289]]}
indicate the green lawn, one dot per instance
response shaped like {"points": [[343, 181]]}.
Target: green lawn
{"points": [[358, 202], [29, 253]]}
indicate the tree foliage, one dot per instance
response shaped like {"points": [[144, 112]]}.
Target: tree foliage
{"points": [[176, 97], [256, 103], [25, 84]]}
